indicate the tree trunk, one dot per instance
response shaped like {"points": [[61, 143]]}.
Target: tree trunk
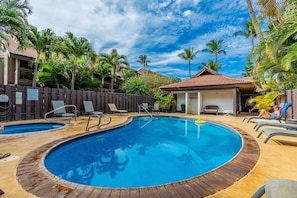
{"points": [[73, 78], [254, 20], [189, 69], [34, 75]]}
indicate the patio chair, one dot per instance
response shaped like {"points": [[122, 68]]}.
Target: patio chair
{"points": [[286, 125], [281, 116], [59, 110], [143, 107], [271, 132], [277, 188], [89, 108], [114, 109]]}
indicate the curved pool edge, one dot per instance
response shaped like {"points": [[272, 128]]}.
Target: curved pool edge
{"points": [[35, 132], [35, 179]]}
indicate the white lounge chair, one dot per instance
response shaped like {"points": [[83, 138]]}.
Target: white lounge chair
{"points": [[114, 109], [143, 107], [59, 110], [89, 108], [277, 188], [285, 125], [279, 119], [270, 132]]}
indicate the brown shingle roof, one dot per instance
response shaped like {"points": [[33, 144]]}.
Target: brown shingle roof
{"points": [[207, 78], [12, 48]]}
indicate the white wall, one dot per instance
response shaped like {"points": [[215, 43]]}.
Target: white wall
{"points": [[192, 103], [180, 100], [224, 99]]}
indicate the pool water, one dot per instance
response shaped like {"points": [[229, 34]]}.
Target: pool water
{"points": [[30, 128], [145, 153]]}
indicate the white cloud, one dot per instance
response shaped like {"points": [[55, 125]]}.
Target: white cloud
{"points": [[160, 30], [187, 13]]}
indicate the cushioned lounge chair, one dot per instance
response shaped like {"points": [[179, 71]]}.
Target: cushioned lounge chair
{"points": [[271, 132], [113, 108], [59, 110], [277, 188], [89, 108], [278, 119]]}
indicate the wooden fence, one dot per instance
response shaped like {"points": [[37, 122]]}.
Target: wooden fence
{"points": [[290, 96], [32, 103]]}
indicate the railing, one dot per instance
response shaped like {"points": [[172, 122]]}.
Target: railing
{"points": [[62, 116], [29, 103]]}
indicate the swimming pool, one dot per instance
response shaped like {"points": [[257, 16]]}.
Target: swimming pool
{"points": [[29, 128], [145, 153]]}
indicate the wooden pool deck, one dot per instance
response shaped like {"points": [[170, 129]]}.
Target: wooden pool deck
{"points": [[25, 176]]}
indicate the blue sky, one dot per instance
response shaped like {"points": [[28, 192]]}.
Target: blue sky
{"points": [[159, 29]]}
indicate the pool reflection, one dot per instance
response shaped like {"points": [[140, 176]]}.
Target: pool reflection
{"points": [[125, 156]]}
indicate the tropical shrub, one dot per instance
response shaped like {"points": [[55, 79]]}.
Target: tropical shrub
{"points": [[135, 86], [266, 101], [165, 100]]}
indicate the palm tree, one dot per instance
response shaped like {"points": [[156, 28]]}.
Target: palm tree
{"points": [[188, 55], [254, 20], [8, 21], [277, 56], [142, 59], [52, 74], [248, 32], [214, 47], [271, 9], [212, 65], [103, 69], [41, 42], [75, 47], [13, 20], [21, 7], [115, 60]]}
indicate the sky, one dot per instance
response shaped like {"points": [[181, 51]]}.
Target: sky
{"points": [[159, 29]]}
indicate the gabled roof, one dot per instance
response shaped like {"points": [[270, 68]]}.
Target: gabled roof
{"points": [[209, 79], [12, 49], [205, 70], [142, 71]]}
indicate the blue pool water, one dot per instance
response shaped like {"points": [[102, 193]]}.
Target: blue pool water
{"points": [[145, 153], [30, 128]]}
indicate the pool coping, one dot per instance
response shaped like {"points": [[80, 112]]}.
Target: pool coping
{"points": [[35, 179], [2, 135]]}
